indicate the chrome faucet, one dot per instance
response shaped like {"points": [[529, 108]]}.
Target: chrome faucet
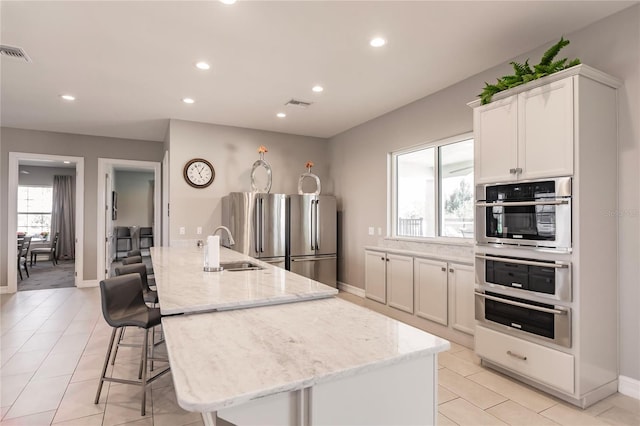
{"points": [[231, 240]]}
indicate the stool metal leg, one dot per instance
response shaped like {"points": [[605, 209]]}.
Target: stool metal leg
{"points": [[145, 348], [106, 364], [115, 352]]}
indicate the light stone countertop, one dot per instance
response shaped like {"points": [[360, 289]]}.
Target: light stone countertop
{"points": [[183, 286], [222, 359], [422, 254]]}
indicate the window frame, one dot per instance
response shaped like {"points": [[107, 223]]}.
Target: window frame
{"points": [[35, 213], [392, 204]]}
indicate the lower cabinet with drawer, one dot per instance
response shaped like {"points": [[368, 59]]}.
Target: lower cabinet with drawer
{"points": [[539, 363]]}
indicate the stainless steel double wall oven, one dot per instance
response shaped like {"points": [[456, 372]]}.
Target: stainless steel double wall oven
{"points": [[523, 263]]}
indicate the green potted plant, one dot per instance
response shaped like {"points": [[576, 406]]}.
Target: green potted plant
{"points": [[524, 73]]}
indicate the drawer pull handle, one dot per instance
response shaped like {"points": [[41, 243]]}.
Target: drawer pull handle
{"points": [[517, 285], [557, 311], [515, 355], [444, 269], [523, 262]]}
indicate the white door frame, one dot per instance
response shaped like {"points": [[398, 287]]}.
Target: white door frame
{"points": [[106, 165], [12, 219]]}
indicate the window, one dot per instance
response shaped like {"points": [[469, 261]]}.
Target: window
{"points": [[34, 210], [432, 190]]}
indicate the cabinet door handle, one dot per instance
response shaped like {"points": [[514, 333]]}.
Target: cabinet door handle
{"points": [[451, 270], [518, 170], [512, 171], [387, 260], [382, 258], [444, 269], [515, 355]]}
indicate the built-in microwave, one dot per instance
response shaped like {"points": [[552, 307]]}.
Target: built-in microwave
{"points": [[528, 213]]}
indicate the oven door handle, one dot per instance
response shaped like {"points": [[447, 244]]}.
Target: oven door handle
{"points": [[523, 262], [521, 203], [559, 311]]}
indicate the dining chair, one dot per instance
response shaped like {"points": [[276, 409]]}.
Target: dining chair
{"points": [[23, 251], [51, 251], [123, 233], [123, 306], [145, 233]]}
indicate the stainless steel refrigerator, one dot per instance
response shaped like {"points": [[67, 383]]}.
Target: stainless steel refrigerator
{"points": [[257, 223], [312, 237]]}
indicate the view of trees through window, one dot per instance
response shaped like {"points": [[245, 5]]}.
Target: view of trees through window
{"points": [[34, 210], [434, 191]]}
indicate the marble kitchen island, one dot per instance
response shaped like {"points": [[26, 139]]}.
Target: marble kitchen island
{"points": [[271, 347], [319, 362], [184, 287]]}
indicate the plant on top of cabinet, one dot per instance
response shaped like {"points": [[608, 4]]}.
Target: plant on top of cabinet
{"points": [[524, 73]]}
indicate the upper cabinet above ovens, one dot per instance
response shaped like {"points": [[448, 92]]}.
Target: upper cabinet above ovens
{"points": [[529, 133]]}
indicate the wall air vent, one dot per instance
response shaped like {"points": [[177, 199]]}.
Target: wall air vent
{"points": [[14, 52], [298, 104]]}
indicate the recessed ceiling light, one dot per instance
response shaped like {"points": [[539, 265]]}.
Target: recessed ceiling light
{"points": [[317, 88], [228, 1], [378, 42], [281, 115], [68, 97], [188, 100], [203, 65]]}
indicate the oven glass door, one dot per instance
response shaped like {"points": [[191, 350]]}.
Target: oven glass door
{"points": [[526, 213]]}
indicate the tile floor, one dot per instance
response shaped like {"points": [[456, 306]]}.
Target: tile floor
{"points": [[53, 344]]}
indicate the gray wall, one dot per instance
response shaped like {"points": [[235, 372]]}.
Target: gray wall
{"points": [[89, 147], [358, 157], [135, 198], [42, 176], [232, 152]]}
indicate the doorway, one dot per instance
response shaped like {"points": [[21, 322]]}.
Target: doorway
{"points": [[36, 163], [110, 208]]}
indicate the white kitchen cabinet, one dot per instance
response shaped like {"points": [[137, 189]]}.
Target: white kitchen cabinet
{"points": [[400, 282], [461, 281], [375, 281], [529, 135], [430, 277], [389, 279], [444, 293]]}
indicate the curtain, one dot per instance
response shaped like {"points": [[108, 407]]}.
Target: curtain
{"points": [[63, 218]]}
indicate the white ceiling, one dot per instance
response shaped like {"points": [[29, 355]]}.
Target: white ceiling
{"points": [[129, 63]]}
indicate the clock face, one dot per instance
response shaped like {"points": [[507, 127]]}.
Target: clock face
{"points": [[199, 173]]}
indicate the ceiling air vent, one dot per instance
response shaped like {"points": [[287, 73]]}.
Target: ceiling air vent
{"points": [[297, 103], [14, 52]]}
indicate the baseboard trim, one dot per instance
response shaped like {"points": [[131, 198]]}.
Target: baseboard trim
{"points": [[88, 284], [4, 289], [351, 289], [628, 386]]}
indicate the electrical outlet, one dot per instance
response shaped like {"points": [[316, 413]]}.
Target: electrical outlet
{"points": [[182, 230], [372, 231], [199, 230]]}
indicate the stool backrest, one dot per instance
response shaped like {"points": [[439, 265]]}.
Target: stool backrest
{"points": [[132, 259], [122, 299], [135, 268], [123, 231]]}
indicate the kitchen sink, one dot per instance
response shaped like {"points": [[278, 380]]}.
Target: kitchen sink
{"points": [[243, 265]]}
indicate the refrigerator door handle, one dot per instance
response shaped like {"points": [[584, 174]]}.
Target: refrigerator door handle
{"points": [[256, 218], [313, 259], [317, 226], [261, 226], [312, 222]]}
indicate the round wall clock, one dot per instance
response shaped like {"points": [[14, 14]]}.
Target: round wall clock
{"points": [[199, 173]]}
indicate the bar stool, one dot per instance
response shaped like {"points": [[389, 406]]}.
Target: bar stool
{"points": [[123, 306], [150, 296], [145, 233], [132, 253]]}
